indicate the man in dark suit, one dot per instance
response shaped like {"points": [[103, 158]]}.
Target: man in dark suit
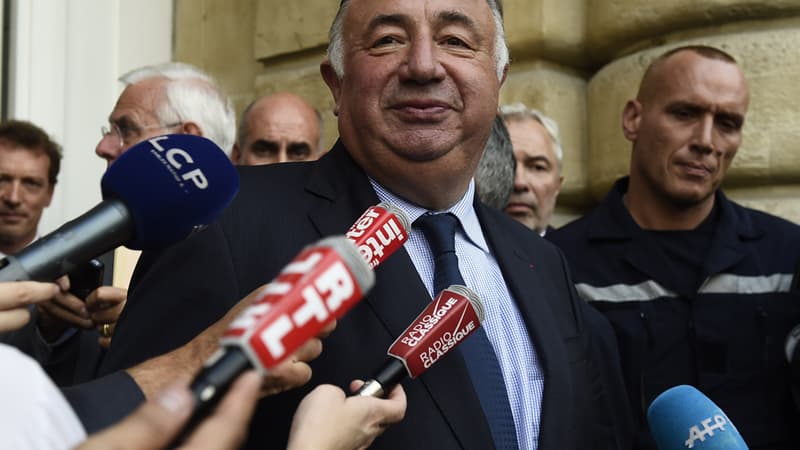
{"points": [[415, 85]]}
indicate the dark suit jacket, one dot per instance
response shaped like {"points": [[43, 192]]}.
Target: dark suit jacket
{"points": [[282, 208]]}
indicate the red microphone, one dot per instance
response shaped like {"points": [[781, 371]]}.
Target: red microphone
{"points": [[320, 284], [452, 316], [379, 232]]}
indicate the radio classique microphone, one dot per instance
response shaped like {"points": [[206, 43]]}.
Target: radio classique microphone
{"points": [[450, 318], [310, 292], [683, 418], [156, 193]]}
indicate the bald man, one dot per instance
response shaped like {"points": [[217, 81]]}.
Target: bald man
{"points": [[278, 128], [695, 285]]}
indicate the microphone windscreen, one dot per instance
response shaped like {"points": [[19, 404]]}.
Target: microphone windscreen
{"points": [[682, 417], [172, 185]]}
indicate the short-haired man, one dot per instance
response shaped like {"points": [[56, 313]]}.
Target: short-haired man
{"points": [[695, 285], [29, 164], [415, 85], [538, 178], [278, 128]]}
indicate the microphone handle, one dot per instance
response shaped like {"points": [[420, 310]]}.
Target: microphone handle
{"points": [[211, 384], [384, 380], [97, 231]]}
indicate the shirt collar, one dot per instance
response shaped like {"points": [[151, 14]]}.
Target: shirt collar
{"points": [[463, 209]]}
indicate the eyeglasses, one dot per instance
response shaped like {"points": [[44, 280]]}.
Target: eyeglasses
{"points": [[126, 136]]}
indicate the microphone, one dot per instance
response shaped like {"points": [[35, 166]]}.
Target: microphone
{"points": [[156, 193], [451, 317], [682, 417], [379, 232], [320, 284]]}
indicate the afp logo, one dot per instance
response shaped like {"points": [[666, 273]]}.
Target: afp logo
{"points": [[180, 163], [698, 434]]}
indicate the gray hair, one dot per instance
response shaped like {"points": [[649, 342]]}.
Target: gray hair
{"points": [[518, 111], [191, 95], [336, 39], [494, 179]]}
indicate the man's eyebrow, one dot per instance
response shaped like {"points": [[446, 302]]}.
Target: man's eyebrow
{"points": [[265, 143], [537, 158], [455, 18], [387, 19], [443, 18], [123, 122]]}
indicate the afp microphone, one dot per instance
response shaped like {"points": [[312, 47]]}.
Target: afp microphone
{"points": [[155, 194], [683, 418], [320, 284], [450, 318]]}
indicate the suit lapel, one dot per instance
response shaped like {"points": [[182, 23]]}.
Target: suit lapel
{"points": [[523, 281], [398, 295]]}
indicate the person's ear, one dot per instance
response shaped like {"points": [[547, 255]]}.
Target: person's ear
{"points": [[333, 82], [235, 153], [631, 119], [191, 128]]}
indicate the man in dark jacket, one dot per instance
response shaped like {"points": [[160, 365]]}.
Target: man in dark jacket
{"points": [[415, 85], [695, 286]]}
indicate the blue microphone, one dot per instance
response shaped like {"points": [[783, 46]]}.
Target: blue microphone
{"points": [[156, 193], [683, 418]]}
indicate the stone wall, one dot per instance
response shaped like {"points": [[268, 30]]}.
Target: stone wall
{"points": [[576, 60]]}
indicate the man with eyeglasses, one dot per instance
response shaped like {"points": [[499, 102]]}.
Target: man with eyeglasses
{"points": [[169, 98]]}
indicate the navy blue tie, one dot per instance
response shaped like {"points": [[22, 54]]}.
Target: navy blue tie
{"points": [[484, 370]]}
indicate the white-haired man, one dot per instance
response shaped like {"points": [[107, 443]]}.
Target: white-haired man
{"points": [[538, 178], [169, 98]]}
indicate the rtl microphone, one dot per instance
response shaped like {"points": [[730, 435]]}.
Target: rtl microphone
{"points": [[450, 318], [379, 232], [683, 418], [156, 193], [319, 285]]}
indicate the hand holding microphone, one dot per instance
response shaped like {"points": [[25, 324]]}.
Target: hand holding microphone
{"points": [[449, 319], [323, 282], [318, 286], [683, 418], [378, 233]]}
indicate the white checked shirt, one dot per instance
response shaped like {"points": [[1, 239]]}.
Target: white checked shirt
{"points": [[504, 325]]}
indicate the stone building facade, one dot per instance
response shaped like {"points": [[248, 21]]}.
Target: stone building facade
{"points": [[576, 60]]}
